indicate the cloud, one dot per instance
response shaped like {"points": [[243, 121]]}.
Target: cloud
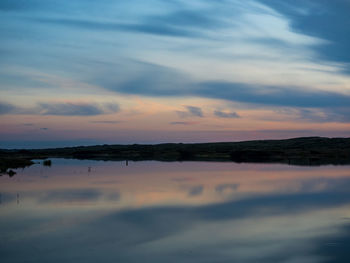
{"points": [[182, 123], [223, 114], [180, 21], [173, 229], [209, 41], [189, 18], [195, 111], [226, 187], [339, 185], [195, 190], [151, 219], [107, 122], [327, 20], [6, 108], [75, 109], [74, 195], [62, 109], [158, 81], [151, 28], [272, 95], [192, 111], [142, 78], [335, 114]]}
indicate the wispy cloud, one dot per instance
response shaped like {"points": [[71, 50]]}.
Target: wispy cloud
{"points": [[107, 122], [226, 187], [62, 109], [334, 114], [69, 109], [77, 109], [191, 111], [223, 114], [75, 195], [6, 108], [186, 123], [265, 54], [153, 28], [272, 95], [195, 190], [167, 82], [326, 20], [174, 20]]}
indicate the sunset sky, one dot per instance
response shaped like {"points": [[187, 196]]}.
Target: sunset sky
{"points": [[82, 72]]}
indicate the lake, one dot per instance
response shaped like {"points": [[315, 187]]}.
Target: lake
{"points": [[95, 211]]}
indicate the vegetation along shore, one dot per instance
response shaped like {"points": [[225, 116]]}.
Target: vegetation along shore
{"points": [[297, 151]]}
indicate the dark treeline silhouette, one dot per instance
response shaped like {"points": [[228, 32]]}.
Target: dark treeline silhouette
{"points": [[298, 151]]}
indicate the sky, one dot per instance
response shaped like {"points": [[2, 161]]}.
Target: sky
{"points": [[83, 72]]}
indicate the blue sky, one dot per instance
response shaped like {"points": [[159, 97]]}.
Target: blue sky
{"points": [[96, 70]]}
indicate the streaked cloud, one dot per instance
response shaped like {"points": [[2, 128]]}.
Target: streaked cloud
{"points": [[6, 108], [273, 95], [72, 109], [226, 187], [328, 115], [75, 195], [154, 28], [107, 122], [191, 111], [223, 114], [195, 190], [326, 20], [186, 123], [286, 58], [62, 109], [172, 83]]}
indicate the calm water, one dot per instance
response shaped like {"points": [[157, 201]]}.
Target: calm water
{"points": [[175, 212]]}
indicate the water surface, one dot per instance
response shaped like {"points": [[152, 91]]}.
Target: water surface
{"points": [[90, 211]]}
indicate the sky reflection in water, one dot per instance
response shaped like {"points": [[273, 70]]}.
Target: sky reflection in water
{"points": [[175, 212]]}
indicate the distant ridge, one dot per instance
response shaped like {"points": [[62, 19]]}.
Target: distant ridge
{"points": [[297, 151]]}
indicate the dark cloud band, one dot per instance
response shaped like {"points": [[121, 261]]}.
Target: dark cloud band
{"points": [[62, 109]]}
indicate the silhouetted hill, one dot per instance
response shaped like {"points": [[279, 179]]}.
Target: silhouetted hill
{"points": [[299, 151]]}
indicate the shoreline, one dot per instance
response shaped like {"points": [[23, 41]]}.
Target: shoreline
{"points": [[297, 151]]}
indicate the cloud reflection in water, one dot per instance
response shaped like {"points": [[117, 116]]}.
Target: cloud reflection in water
{"points": [[260, 225]]}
